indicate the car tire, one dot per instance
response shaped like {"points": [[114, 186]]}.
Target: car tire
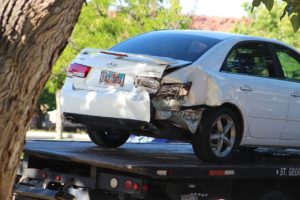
{"points": [[217, 136], [107, 138]]}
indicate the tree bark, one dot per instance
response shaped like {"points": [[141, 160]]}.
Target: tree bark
{"points": [[58, 123], [33, 33]]}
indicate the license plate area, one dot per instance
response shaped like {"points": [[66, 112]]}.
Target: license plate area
{"points": [[110, 78]]}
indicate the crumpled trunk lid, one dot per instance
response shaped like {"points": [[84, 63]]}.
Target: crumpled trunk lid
{"points": [[122, 71]]}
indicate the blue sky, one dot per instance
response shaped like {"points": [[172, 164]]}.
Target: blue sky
{"points": [[221, 8]]}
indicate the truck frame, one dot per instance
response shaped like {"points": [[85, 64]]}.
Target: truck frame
{"points": [[162, 171]]}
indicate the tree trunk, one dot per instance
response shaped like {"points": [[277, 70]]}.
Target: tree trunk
{"points": [[33, 33], [58, 127]]}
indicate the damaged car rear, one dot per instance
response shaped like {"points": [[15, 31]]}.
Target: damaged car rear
{"points": [[165, 84]]}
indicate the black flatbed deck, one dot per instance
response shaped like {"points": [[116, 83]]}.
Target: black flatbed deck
{"points": [[178, 160]]}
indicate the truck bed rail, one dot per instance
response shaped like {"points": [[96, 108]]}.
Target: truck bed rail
{"points": [[170, 161]]}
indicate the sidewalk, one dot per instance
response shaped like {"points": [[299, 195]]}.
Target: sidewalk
{"points": [[44, 135]]}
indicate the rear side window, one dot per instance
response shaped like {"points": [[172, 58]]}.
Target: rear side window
{"points": [[178, 46], [290, 62], [253, 59]]}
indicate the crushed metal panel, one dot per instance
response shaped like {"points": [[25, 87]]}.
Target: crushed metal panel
{"points": [[202, 91], [212, 97], [168, 103], [195, 75], [150, 84], [187, 119], [168, 106], [174, 90]]}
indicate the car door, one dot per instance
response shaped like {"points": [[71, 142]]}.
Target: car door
{"points": [[262, 96], [290, 64]]}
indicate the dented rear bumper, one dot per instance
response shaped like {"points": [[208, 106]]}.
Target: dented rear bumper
{"points": [[111, 123], [106, 103]]}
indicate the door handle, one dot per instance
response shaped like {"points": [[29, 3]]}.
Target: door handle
{"points": [[295, 94], [246, 88]]}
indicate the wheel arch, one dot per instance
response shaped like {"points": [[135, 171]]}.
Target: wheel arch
{"points": [[237, 111]]}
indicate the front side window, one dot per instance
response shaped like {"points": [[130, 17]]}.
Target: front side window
{"points": [[290, 62], [253, 59]]}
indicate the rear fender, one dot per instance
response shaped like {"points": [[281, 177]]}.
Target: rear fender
{"points": [[204, 90], [186, 112]]}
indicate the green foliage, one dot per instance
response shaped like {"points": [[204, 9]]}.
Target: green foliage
{"points": [[290, 65], [47, 101], [99, 26], [103, 23], [268, 24], [291, 8]]}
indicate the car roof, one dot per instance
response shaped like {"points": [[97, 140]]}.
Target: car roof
{"points": [[218, 35]]}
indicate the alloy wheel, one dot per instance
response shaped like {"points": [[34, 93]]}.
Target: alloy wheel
{"points": [[222, 135]]}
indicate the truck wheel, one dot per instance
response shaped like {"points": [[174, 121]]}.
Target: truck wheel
{"points": [[107, 138], [218, 135]]}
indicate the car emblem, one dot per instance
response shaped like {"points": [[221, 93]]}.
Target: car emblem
{"points": [[112, 65]]}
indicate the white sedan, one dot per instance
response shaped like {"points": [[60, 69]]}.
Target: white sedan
{"points": [[218, 91]]}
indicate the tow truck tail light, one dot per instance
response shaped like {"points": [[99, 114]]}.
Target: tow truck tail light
{"points": [[128, 184], [78, 70], [58, 178], [136, 186], [145, 188], [124, 184]]}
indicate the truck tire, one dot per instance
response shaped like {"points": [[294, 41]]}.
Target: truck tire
{"points": [[217, 136], [107, 138]]}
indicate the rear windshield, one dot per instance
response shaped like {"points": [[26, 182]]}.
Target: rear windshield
{"points": [[178, 46]]}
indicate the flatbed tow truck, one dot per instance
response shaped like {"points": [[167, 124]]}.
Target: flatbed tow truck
{"points": [[154, 171]]}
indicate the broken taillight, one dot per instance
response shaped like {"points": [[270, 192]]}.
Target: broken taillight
{"points": [[151, 84], [78, 70], [174, 90]]}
